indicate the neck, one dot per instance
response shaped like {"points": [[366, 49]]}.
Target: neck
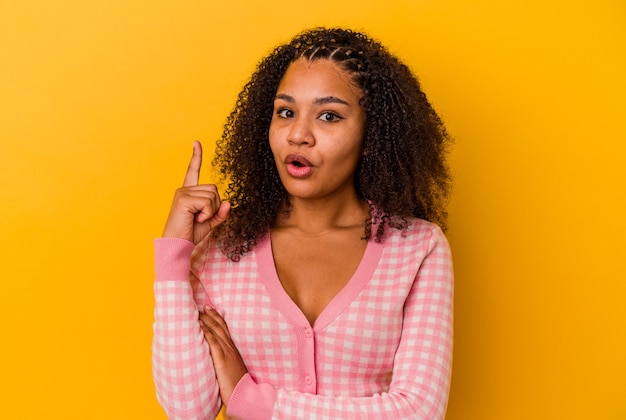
{"points": [[320, 216]]}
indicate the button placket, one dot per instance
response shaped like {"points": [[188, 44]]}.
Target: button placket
{"points": [[308, 371]]}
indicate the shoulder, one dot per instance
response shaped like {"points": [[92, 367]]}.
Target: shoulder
{"points": [[209, 253], [416, 233], [414, 245]]}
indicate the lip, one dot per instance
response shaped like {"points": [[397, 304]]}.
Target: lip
{"points": [[298, 166]]}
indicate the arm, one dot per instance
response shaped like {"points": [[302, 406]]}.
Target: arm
{"points": [[422, 366], [182, 369]]}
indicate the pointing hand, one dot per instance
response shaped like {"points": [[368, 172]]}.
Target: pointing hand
{"points": [[197, 208]]}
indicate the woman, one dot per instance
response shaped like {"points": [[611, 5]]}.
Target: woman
{"points": [[321, 287]]}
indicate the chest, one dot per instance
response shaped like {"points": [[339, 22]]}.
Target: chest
{"points": [[359, 331], [359, 336], [313, 270]]}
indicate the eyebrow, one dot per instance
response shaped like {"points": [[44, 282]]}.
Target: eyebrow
{"points": [[318, 101]]}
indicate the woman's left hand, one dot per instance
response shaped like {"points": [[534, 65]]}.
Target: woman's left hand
{"points": [[229, 366]]}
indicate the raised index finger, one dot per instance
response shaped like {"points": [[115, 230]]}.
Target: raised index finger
{"points": [[193, 171]]}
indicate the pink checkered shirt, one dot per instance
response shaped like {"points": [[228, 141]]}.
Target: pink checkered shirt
{"points": [[381, 349]]}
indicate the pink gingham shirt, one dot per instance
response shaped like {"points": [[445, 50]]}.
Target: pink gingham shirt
{"points": [[381, 349]]}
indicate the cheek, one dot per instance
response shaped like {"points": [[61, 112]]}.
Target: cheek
{"points": [[347, 159], [353, 151], [274, 146], [271, 135]]}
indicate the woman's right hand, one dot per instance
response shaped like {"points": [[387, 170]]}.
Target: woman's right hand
{"points": [[196, 209]]}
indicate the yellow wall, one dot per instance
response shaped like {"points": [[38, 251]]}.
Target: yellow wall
{"points": [[100, 102]]}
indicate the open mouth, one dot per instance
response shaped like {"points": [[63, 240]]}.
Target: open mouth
{"points": [[298, 161], [298, 166]]}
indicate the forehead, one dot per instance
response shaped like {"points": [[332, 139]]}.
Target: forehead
{"points": [[321, 76]]}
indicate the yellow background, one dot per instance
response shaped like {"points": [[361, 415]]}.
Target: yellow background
{"points": [[100, 102]]}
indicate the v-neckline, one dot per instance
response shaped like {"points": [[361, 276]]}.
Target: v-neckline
{"points": [[289, 309]]}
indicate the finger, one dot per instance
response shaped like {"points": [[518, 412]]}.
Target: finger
{"points": [[211, 208], [199, 200], [218, 217], [193, 170], [216, 345], [209, 334], [212, 320], [219, 346], [217, 328]]}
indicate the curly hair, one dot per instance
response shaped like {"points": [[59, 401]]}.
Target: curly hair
{"points": [[403, 172]]}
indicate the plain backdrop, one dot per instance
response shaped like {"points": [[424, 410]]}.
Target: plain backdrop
{"points": [[100, 102]]}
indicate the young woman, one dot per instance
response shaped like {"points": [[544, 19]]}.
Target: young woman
{"points": [[321, 287]]}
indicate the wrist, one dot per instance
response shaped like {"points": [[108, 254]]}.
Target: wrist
{"points": [[251, 400], [172, 258]]}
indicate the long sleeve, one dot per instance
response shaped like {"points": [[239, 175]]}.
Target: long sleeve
{"points": [[182, 369], [421, 367]]}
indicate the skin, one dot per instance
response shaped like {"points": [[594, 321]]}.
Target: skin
{"points": [[196, 210], [317, 115], [318, 246]]}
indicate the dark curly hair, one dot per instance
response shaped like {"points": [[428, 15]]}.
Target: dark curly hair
{"points": [[403, 172]]}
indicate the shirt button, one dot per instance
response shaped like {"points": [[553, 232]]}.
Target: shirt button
{"points": [[308, 333], [308, 380]]}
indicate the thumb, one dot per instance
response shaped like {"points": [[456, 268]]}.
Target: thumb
{"points": [[204, 227], [220, 215]]}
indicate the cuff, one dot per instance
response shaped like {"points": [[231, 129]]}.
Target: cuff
{"points": [[172, 259], [250, 400]]}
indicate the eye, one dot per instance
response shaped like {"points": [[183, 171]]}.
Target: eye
{"points": [[284, 113], [329, 117]]}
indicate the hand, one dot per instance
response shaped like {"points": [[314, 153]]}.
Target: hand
{"points": [[229, 366], [196, 209]]}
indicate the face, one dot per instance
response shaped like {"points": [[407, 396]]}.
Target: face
{"points": [[316, 133]]}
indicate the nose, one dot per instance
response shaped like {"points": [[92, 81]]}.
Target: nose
{"points": [[300, 132]]}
